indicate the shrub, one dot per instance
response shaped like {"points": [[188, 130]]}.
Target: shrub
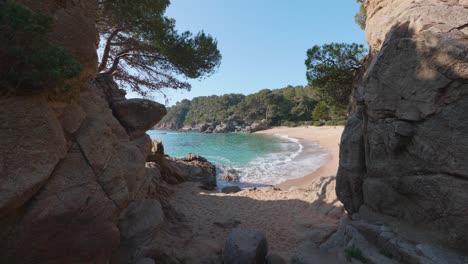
{"points": [[317, 123], [341, 122], [30, 62]]}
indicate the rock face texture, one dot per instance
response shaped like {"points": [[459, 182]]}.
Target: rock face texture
{"points": [[74, 185], [404, 150], [245, 246]]}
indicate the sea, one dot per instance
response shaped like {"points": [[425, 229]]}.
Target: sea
{"points": [[259, 160]]}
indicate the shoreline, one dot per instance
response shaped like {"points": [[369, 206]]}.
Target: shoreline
{"points": [[327, 136]]}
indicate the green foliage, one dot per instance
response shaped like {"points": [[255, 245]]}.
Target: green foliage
{"points": [[289, 106], [211, 109], [317, 123], [321, 112], [178, 112], [30, 62], [144, 51], [335, 123], [361, 17], [332, 69], [356, 253]]}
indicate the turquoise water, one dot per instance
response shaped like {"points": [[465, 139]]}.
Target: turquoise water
{"points": [[259, 159]]}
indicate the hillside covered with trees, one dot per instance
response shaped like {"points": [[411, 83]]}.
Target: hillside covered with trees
{"points": [[289, 106], [332, 70]]}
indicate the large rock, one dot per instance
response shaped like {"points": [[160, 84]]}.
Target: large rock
{"points": [[31, 145], [403, 152], [138, 115], [189, 168], [74, 184], [245, 246], [325, 200], [231, 189], [70, 220], [138, 224]]}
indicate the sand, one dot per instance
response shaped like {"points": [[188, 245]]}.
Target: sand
{"points": [[327, 136], [287, 216]]}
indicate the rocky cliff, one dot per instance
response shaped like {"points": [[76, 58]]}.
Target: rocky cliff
{"points": [[75, 185], [403, 157]]}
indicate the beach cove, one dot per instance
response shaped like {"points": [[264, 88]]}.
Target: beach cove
{"points": [[212, 215], [271, 157]]}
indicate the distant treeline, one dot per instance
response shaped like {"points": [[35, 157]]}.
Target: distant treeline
{"points": [[289, 106]]}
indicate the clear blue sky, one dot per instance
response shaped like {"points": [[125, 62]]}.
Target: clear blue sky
{"points": [[263, 42]]}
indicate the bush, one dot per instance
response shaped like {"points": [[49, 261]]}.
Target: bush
{"points": [[341, 122], [307, 123], [335, 123], [30, 62], [317, 123]]}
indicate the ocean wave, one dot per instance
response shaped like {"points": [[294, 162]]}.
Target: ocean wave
{"points": [[296, 161]]}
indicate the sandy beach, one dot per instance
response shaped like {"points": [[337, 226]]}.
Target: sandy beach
{"points": [[327, 136], [287, 216]]}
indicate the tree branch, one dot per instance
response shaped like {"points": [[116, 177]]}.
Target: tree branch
{"points": [[107, 48], [115, 63]]}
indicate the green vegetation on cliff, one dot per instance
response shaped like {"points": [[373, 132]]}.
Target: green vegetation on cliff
{"points": [[210, 109], [287, 106], [30, 61], [332, 70]]}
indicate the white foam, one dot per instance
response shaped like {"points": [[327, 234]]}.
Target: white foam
{"points": [[294, 161]]}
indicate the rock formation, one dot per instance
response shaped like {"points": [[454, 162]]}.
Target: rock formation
{"points": [[245, 246], [403, 155], [75, 187]]}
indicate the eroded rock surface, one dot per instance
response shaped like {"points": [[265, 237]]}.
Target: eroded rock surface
{"points": [[403, 151], [75, 187], [245, 246]]}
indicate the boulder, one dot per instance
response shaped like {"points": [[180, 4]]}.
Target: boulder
{"points": [[138, 223], [228, 174], [245, 246], [229, 177], [254, 127], [32, 143], [325, 200], [189, 168], [71, 220], [106, 83], [140, 219], [231, 189], [138, 115], [403, 151], [225, 127], [145, 144]]}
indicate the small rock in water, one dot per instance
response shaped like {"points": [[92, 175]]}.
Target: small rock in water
{"points": [[245, 246], [231, 189]]}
